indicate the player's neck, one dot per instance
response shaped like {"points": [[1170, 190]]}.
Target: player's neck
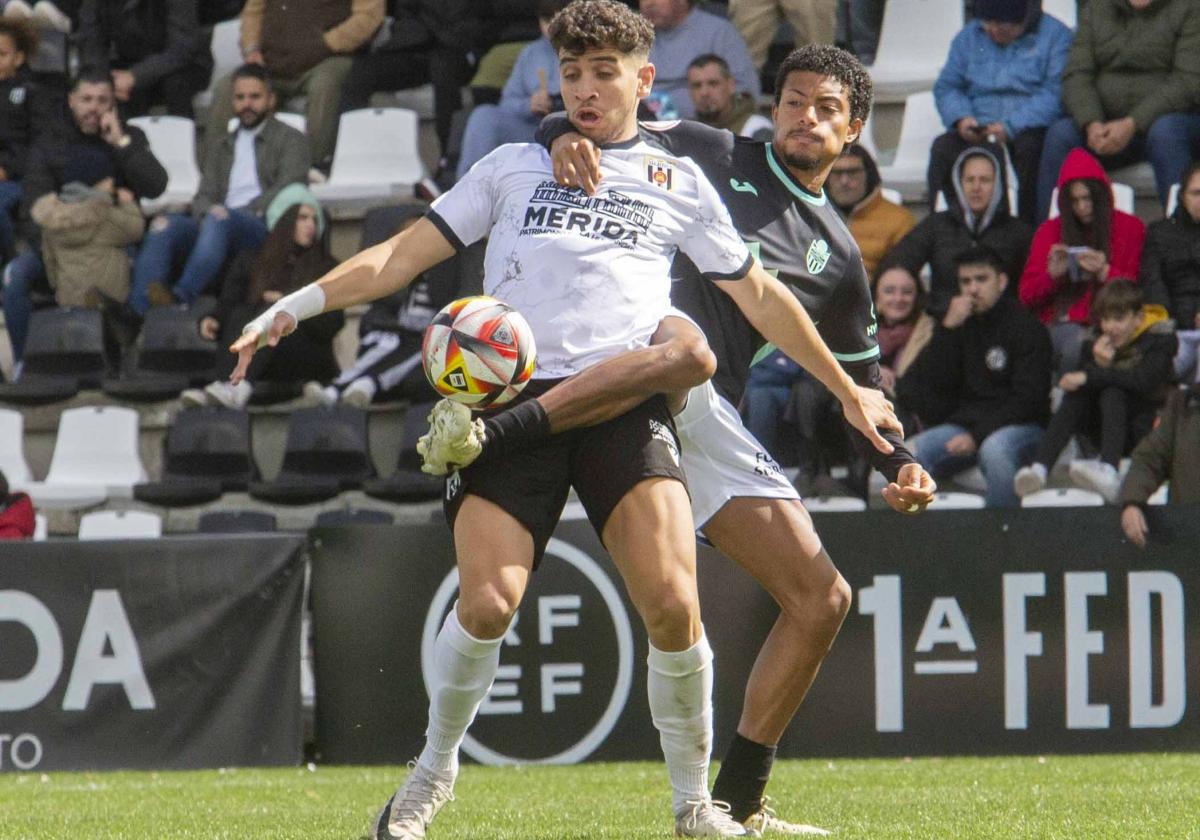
{"points": [[811, 180]]}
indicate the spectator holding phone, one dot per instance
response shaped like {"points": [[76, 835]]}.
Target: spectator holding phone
{"points": [[1088, 244]]}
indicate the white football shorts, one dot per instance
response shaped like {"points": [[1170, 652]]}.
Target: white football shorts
{"points": [[721, 458]]}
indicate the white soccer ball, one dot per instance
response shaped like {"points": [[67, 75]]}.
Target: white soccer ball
{"points": [[478, 351]]}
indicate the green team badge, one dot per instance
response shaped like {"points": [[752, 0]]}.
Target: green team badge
{"points": [[818, 255]]}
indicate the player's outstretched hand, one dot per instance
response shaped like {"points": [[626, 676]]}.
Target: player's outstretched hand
{"points": [[576, 162], [871, 411], [912, 491], [250, 341]]}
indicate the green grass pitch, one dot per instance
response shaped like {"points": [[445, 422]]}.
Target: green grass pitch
{"points": [[1088, 797]]}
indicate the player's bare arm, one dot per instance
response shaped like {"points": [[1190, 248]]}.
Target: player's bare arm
{"points": [[371, 274], [779, 317]]}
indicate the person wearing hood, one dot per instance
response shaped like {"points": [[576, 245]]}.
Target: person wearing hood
{"points": [[1116, 392], [295, 253], [876, 224], [1088, 244], [1002, 79], [981, 384], [1131, 90], [977, 215], [87, 229]]}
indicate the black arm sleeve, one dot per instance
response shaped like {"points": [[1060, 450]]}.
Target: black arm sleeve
{"points": [[140, 170], [889, 465]]}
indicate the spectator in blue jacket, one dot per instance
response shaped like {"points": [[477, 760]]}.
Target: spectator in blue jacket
{"points": [[530, 93], [1002, 79]]}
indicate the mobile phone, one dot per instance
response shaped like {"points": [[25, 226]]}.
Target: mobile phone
{"points": [[1074, 272]]}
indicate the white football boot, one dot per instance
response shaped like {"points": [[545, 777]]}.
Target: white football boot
{"points": [[706, 818], [413, 806], [765, 822], [454, 440]]}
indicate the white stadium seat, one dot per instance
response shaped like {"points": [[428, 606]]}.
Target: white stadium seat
{"points": [[891, 195], [919, 127], [120, 525], [12, 451], [1172, 199], [913, 43], [227, 57], [41, 527], [950, 500], [1065, 10], [173, 142], [376, 158], [1063, 497], [296, 121], [95, 458], [834, 504]]}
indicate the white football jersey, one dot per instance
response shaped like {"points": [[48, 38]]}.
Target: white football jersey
{"points": [[591, 274]]}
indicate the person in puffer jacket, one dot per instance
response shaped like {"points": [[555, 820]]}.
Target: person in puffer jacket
{"points": [[86, 230]]}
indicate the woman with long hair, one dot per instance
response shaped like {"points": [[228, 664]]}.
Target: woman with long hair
{"points": [[295, 253], [1088, 244]]}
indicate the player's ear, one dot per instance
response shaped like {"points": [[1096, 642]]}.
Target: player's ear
{"points": [[645, 75], [854, 130]]}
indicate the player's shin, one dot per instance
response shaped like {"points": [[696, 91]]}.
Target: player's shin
{"points": [[463, 671], [680, 688]]}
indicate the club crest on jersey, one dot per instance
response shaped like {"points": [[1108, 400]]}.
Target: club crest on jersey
{"points": [[818, 256], [659, 172]]}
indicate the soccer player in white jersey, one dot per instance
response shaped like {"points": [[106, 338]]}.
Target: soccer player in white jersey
{"points": [[590, 274], [739, 498]]}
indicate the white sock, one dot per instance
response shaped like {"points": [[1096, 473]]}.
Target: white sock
{"points": [[680, 687], [463, 670]]}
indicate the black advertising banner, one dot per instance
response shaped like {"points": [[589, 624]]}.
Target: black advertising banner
{"points": [[150, 654], [971, 632]]}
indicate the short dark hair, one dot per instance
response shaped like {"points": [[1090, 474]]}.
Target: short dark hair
{"points": [[23, 34], [1117, 299], [979, 255], [711, 58], [594, 24], [835, 62], [91, 76], [252, 71]]}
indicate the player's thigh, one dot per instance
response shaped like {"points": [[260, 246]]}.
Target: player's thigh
{"points": [[775, 541], [495, 553]]}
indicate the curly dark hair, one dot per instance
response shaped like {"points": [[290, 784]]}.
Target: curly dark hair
{"points": [[594, 24], [24, 37], [835, 62]]}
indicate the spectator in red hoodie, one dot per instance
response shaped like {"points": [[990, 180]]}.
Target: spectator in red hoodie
{"points": [[16, 514], [1088, 244]]}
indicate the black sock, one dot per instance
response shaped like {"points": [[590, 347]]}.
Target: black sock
{"points": [[514, 429], [743, 777]]}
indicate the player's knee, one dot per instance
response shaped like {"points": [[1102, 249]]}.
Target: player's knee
{"points": [[671, 612], [694, 359], [487, 613], [839, 599]]}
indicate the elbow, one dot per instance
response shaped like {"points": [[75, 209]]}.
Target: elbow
{"points": [[693, 362]]}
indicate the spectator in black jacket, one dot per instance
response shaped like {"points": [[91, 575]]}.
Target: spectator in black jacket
{"points": [[93, 123], [156, 50], [979, 215], [1116, 393], [26, 111], [429, 42], [1170, 268], [981, 386]]}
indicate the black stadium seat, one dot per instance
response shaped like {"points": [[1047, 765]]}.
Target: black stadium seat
{"points": [[236, 522], [409, 484], [326, 453], [64, 353], [206, 453], [171, 355], [354, 516]]}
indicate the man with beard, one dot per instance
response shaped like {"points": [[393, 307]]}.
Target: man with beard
{"points": [[244, 171], [717, 101], [92, 123]]}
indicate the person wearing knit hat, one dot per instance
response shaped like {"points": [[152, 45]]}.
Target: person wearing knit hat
{"points": [[289, 197], [1000, 84]]}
